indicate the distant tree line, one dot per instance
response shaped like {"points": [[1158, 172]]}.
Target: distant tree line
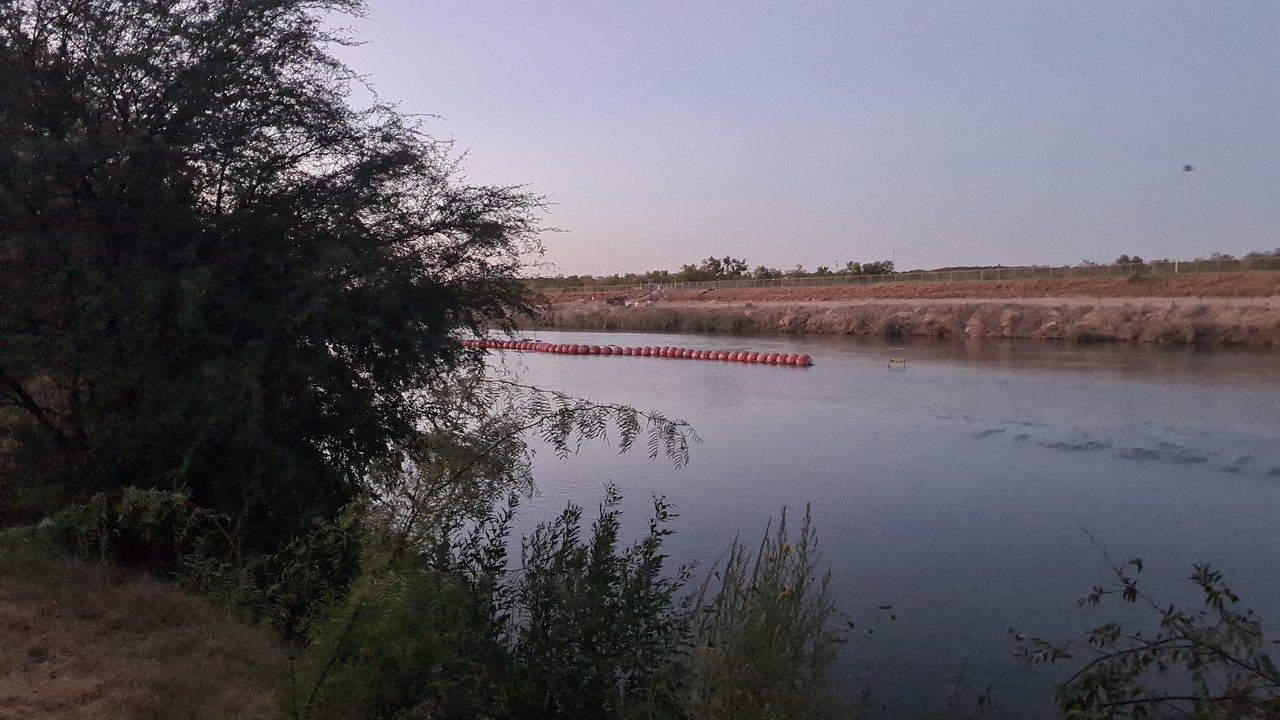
{"points": [[712, 268], [731, 268]]}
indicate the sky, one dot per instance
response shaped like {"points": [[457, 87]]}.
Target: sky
{"points": [[934, 133]]}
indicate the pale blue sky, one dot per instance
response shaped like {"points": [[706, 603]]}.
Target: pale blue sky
{"points": [[951, 133]]}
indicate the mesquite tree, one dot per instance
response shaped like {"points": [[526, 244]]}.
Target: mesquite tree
{"points": [[215, 272]]}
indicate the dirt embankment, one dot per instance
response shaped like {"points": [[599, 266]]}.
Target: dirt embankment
{"points": [[1237, 309]]}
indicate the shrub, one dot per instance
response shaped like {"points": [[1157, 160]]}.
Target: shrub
{"points": [[1205, 664], [762, 646]]}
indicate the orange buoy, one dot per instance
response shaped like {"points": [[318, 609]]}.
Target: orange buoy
{"points": [[667, 351]]}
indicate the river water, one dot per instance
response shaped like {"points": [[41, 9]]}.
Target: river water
{"points": [[973, 492]]}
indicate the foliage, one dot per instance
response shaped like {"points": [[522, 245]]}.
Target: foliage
{"points": [[595, 627], [1206, 663], [214, 273], [710, 269], [761, 642], [433, 622]]}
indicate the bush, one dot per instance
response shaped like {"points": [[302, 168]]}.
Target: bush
{"points": [[762, 645], [1204, 664]]}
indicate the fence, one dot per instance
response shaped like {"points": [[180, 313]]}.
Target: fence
{"points": [[1178, 267]]}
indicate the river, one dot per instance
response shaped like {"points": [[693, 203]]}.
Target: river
{"points": [[973, 492]]}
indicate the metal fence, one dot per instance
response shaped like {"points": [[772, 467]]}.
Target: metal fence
{"points": [[1176, 267]]}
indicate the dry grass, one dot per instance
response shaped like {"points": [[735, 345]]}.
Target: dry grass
{"points": [[1247, 284], [87, 642]]}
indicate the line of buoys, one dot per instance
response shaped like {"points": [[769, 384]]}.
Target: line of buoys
{"points": [[663, 351]]}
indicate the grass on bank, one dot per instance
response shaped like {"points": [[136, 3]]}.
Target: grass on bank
{"points": [[85, 640], [583, 626]]}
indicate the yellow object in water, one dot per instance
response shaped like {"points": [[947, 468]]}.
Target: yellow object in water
{"points": [[900, 362]]}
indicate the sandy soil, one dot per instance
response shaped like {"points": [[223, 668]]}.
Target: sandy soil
{"points": [[1235, 309]]}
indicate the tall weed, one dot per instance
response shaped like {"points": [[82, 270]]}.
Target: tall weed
{"points": [[762, 646]]}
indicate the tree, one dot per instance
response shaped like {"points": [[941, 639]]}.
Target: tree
{"points": [[217, 274]]}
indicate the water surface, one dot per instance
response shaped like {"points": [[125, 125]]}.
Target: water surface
{"points": [[963, 491]]}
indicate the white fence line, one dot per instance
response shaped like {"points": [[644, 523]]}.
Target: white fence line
{"points": [[1254, 264]]}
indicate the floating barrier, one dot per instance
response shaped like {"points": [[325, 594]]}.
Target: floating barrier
{"points": [[665, 351]]}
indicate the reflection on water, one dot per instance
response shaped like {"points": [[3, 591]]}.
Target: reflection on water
{"points": [[959, 491]]}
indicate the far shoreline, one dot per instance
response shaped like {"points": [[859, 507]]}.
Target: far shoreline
{"points": [[1229, 309]]}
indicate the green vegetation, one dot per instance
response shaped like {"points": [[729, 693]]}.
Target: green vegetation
{"points": [[1205, 664], [436, 623], [726, 268], [732, 270], [218, 275]]}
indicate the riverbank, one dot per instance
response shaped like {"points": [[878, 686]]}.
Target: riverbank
{"points": [[1225, 309], [86, 640]]}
